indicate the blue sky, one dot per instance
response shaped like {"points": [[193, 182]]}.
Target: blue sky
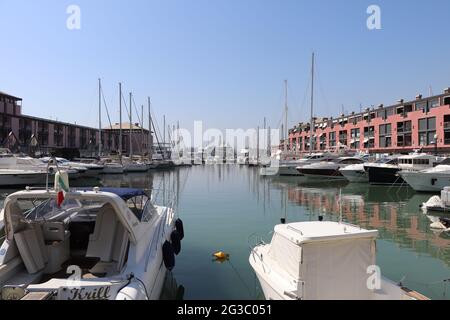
{"points": [[222, 62]]}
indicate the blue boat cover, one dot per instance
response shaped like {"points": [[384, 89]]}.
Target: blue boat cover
{"points": [[124, 193]]}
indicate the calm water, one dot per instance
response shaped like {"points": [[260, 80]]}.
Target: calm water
{"points": [[223, 206]]}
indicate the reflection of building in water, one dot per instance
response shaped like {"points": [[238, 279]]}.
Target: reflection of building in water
{"points": [[393, 219]]}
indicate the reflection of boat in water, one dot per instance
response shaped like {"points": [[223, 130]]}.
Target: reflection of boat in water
{"points": [[171, 290]]}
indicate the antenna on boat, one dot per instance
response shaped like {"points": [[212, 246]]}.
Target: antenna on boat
{"points": [[311, 129]]}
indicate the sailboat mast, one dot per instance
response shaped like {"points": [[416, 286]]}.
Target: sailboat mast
{"points": [[99, 117], [285, 114], [311, 130], [131, 127], [142, 132], [120, 122], [149, 130]]}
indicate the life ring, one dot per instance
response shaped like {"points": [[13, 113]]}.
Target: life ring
{"points": [[168, 255], [175, 240], [179, 227]]}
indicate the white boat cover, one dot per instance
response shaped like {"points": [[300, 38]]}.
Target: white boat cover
{"points": [[349, 259]]}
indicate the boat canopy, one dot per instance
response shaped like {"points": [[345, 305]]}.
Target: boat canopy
{"points": [[315, 252], [124, 193]]}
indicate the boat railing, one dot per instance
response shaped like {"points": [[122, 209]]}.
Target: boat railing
{"points": [[258, 241], [162, 197]]}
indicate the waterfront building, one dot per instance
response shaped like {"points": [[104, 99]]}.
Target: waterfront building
{"points": [[140, 138], [23, 133], [423, 123]]}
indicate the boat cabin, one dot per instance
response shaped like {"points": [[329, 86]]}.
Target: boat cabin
{"points": [[322, 261], [418, 161]]}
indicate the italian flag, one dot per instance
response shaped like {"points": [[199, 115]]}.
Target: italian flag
{"points": [[61, 186]]}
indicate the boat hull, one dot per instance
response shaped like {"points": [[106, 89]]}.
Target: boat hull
{"points": [[384, 176], [31, 179], [322, 174], [356, 176], [426, 182]]}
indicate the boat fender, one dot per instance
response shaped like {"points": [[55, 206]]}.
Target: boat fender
{"points": [[175, 239], [168, 255], [180, 228]]}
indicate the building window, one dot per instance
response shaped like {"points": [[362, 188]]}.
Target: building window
{"points": [[24, 131], [385, 135], [427, 131], [323, 141], [404, 134], [300, 144], [433, 103], [43, 133], [355, 137], [369, 137], [343, 137], [5, 127], [332, 139]]}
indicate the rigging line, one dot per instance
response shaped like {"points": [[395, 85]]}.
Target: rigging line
{"points": [[106, 107], [137, 112], [157, 125], [319, 80]]}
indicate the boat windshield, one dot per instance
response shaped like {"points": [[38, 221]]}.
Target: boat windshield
{"points": [[47, 209], [387, 160]]}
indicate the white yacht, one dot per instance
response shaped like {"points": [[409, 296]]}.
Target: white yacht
{"points": [[328, 169], [355, 173], [111, 165], [439, 204], [323, 261], [97, 244], [25, 171], [388, 172], [290, 167], [429, 180], [243, 157], [133, 166]]}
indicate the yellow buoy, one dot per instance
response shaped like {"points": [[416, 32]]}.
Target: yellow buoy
{"points": [[221, 255]]}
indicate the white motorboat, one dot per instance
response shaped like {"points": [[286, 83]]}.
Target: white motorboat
{"points": [[429, 180], [328, 169], [243, 157], [439, 204], [290, 167], [388, 172], [14, 177], [355, 173], [113, 168], [135, 167], [93, 169], [323, 261], [98, 244]]}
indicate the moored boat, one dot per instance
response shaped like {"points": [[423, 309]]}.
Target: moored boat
{"points": [[428, 180], [328, 169], [116, 242], [323, 261]]}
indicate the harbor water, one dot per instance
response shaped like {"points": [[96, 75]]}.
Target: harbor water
{"points": [[229, 207]]}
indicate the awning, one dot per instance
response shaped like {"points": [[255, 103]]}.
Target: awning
{"points": [[352, 141], [366, 140], [325, 125]]}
